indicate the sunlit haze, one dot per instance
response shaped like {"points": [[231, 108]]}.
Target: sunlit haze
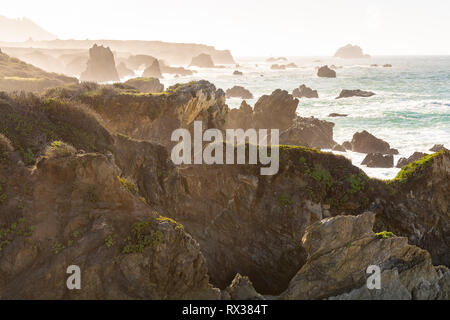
{"points": [[252, 28]]}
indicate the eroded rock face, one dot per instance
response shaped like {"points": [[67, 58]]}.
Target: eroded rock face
{"points": [[277, 110], [100, 66], [418, 206], [325, 72], [239, 92], [354, 93], [350, 52], [203, 60], [414, 157], [148, 85], [155, 117], [437, 148], [305, 92], [153, 71], [241, 288], [341, 248], [309, 132], [365, 142], [378, 160], [98, 224]]}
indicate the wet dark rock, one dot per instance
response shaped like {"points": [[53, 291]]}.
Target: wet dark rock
{"points": [[325, 72], [354, 93], [305, 92], [378, 160]]}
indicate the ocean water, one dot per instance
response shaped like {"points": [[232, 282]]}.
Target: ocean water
{"points": [[411, 108]]}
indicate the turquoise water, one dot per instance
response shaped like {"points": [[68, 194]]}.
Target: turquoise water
{"points": [[411, 108]]}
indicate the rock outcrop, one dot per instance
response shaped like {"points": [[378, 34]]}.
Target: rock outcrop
{"points": [[325, 72], [341, 249], [334, 115], [147, 85], [437, 148], [237, 73], [239, 92], [350, 52], [378, 160], [309, 132], [99, 180], [354, 93], [153, 71], [414, 157], [305, 92], [365, 142], [153, 117], [202, 61], [101, 66]]}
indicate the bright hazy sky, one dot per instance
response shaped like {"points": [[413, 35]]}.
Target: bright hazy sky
{"points": [[252, 27]]}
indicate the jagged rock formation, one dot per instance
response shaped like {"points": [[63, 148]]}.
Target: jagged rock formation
{"points": [[305, 92], [414, 157], [341, 249], [241, 288], [153, 71], [240, 118], [278, 111], [239, 92], [350, 52], [202, 61], [152, 117], [100, 66], [237, 73], [325, 72], [235, 220], [365, 142], [354, 93], [16, 75], [417, 205], [123, 71], [437, 148], [378, 160], [148, 85]]}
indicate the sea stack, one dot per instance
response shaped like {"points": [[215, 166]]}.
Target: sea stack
{"points": [[154, 71], [203, 60], [325, 72], [101, 66], [350, 52]]}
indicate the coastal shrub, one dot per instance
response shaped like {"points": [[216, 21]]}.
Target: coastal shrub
{"points": [[143, 235], [31, 122], [385, 234], [59, 149]]}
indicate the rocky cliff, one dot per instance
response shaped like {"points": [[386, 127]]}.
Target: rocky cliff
{"points": [[87, 180]]}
